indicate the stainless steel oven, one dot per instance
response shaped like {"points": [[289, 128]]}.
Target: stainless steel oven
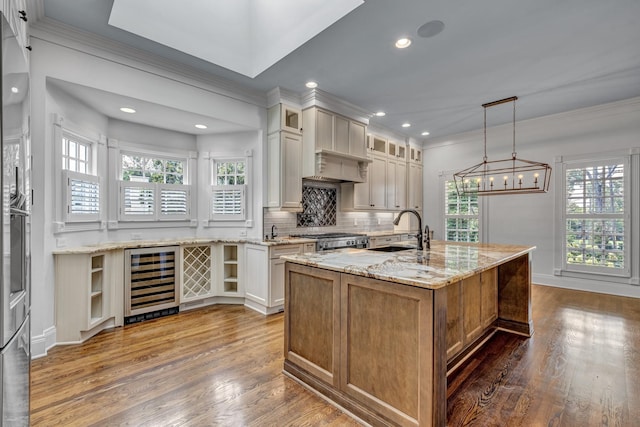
{"points": [[330, 241]]}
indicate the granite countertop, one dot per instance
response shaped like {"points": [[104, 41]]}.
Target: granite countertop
{"points": [[443, 264], [135, 244]]}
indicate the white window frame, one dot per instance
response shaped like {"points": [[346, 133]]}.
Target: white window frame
{"points": [[157, 214], [65, 220], [566, 163], [216, 189]]}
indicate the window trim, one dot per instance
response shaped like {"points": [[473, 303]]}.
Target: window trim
{"points": [[214, 187], [447, 216], [579, 163], [157, 218], [633, 212]]}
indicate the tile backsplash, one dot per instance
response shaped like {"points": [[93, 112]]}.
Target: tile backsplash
{"points": [[287, 223], [319, 207]]}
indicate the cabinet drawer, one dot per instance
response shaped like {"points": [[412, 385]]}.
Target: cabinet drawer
{"points": [[278, 251]]}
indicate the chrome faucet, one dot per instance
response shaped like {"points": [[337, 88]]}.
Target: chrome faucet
{"points": [[419, 234], [427, 239], [274, 231]]}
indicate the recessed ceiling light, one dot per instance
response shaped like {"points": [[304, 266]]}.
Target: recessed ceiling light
{"points": [[430, 29], [425, 133], [201, 126], [403, 43], [127, 110], [406, 125], [311, 85], [381, 114], [14, 89]]}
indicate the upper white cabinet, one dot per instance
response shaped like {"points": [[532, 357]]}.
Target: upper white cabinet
{"points": [[284, 117], [284, 171], [415, 186], [386, 185], [284, 158]]}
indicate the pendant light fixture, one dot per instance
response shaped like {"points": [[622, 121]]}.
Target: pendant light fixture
{"points": [[507, 176]]}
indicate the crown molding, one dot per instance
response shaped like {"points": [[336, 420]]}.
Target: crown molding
{"points": [[319, 98], [279, 95], [52, 31]]}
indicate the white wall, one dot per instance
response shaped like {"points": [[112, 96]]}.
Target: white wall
{"points": [[529, 219], [105, 70]]}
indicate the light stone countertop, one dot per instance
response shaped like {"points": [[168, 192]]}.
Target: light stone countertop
{"points": [[135, 244], [443, 264]]}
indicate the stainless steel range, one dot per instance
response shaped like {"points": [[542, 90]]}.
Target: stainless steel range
{"points": [[329, 241]]}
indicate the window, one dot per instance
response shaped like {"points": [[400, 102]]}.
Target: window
{"points": [[596, 220], [153, 188], [228, 190], [80, 183], [461, 215], [76, 154]]}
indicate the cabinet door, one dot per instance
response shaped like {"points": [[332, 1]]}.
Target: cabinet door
{"points": [[377, 178], [415, 186], [277, 282], [361, 196], [489, 309], [454, 334], [357, 139], [291, 171], [472, 303], [341, 135], [257, 288], [401, 185], [324, 130]]}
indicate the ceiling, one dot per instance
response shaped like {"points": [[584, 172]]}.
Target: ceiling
{"points": [[555, 55]]}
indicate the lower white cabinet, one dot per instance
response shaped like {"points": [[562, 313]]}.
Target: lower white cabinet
{"points": [[264, 290], [88, 294]]}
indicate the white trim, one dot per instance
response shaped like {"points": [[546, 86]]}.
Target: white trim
{"points": [[598, 286], [40, 344]]}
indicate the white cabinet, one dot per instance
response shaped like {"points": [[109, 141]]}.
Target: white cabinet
{"points": [[369, 195], [283, 117], [415, 186], [284, 171], [265, 279], [230, 259], [88, 298], [396, 184]]}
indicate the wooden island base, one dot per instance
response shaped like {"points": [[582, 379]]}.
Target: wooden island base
{"points": [[382, 350]]}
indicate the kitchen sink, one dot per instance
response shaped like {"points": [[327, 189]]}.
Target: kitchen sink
{"points": [[391, 248]]}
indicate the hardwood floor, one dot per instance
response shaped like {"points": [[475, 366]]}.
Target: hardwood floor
{"points": [[222, 365]]}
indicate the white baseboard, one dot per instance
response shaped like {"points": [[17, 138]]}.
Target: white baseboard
{"points": [[597, 286], [40, 344]]}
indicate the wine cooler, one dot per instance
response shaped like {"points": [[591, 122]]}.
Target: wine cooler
{"points": [[151, 276]]}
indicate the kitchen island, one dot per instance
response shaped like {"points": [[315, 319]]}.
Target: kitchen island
{"points": [[378, 332]]}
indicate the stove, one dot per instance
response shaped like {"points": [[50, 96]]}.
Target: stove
{"points": [[329, 241]]}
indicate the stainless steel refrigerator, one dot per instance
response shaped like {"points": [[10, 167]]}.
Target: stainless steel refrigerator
{"points": [[15, 298]]}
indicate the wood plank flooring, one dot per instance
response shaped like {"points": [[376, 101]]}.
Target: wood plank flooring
{"points": [[222, 365]]}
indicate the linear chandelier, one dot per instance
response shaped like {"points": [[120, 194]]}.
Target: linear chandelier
{"points": [[507, 176]]}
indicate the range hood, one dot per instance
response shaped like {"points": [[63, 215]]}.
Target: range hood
{"points": [[326, 165]]}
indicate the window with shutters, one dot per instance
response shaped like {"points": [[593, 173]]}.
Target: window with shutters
{"points": [[596, 216], [153, 188], [80, 183], [228, 189]]}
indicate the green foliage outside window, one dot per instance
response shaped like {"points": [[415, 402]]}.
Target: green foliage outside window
{"points": [[595, 226], [147, 169], [461, 215]]}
